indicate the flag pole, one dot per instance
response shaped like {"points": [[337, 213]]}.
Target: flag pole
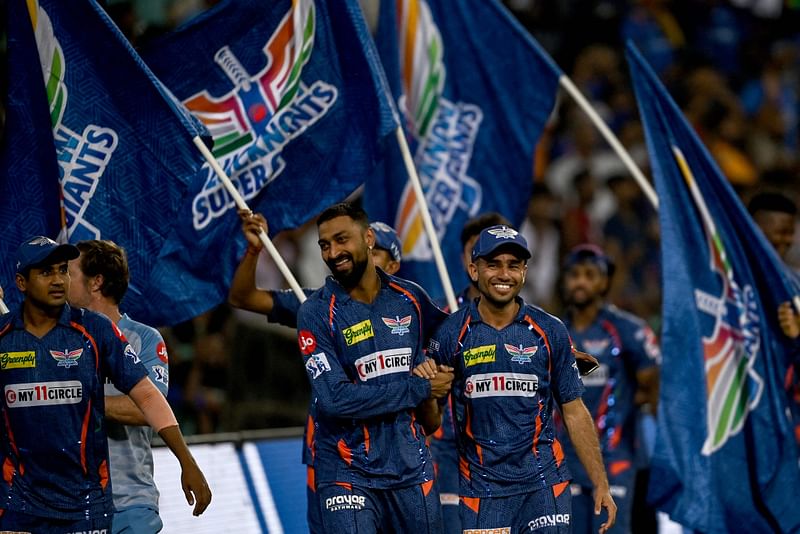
{"points": [[3, 308], [624, 155], [242, 205], [426, 219]]}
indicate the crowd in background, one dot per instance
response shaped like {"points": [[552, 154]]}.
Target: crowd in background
{"points": [[732, 66]]}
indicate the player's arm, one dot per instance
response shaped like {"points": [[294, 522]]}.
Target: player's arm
{"points": [[122, 409], [646, 356], [159, 415], [789, 320], [243, 293], [335, 393], [429, 412]]}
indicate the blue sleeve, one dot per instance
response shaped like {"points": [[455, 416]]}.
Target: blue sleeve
{"points": [[642, 351], [335, 394], [442, 346], [154, 356], [285, 306], [565, 380], [123, 365]]}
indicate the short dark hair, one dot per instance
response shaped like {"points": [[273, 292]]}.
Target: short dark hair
{"points": [[479, 223], [108, 259], [345, 209], [771, 201]]}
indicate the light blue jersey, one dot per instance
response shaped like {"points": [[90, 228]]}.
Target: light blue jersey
{"points": [[129, 446]]}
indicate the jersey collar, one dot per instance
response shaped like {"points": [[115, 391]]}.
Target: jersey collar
{"points": [[333, 287], [475, 315]]}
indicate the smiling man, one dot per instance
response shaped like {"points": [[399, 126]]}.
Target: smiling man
{"points": [[513, 365]]}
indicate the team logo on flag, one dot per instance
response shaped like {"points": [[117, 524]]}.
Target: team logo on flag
{"points": [[261, 114], [399, 326], [67, 358], [733, 388], [520, 354]]}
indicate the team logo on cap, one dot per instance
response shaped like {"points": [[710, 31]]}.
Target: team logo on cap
{"points": [[399, 326], [520, 354], [68, 358], [503, 233], [41, 241]]}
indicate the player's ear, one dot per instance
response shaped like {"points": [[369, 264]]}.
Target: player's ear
{"points": [[473, 272], [369, 237]]}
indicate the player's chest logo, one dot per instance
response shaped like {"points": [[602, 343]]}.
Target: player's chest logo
{"points": [[595, 347], [17, 360], [67, 358], [385, 362], [520, 354], [479, 355], [399, 326], [358, 332]]}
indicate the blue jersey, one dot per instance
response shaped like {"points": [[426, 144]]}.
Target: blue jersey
{"points": [[129, 446], [623, 345], [359, 359], [505, 385], [54, 439]]}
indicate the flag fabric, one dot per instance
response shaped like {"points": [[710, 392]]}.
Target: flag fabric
{"points": [[725, 457], [475, 91], [295, 99], [95, 147]]}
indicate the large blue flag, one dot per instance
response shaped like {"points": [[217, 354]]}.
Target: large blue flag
{"points": [[95, 147], [725, 458], [475, 91], [293, 94]]}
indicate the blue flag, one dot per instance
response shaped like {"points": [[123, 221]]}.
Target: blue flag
{"points": [[725, 458], [296, 102], [475, 91], [95, 147]]}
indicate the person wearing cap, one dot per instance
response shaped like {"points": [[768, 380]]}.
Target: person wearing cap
{"points": [[281, 307], [98, 281], [626, 379], [53, 443], [514, 365]]}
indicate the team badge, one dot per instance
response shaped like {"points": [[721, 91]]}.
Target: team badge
{"points": [[520, 354], [162, 374], [399, 326], [68, 358], [503, 233], [130, 353]]}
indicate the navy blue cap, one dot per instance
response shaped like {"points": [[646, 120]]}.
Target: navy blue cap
{"points": [[494, 237], [41, 250], [386, 238], [588, 253]]}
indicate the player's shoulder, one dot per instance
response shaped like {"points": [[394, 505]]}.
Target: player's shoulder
{"points": [[316, 301], [547, 321], [624, 319], [456, 320], [405, 285], [144, 330]]}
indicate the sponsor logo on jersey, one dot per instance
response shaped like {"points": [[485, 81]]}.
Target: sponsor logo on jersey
{"points": [[384, 362], [67, 358], [161, 352], [161, 373], [501, 385], [358, 332], [478, 355], [345, 502], [597, 378], [17, 360], [521, 354], [130, 353], [495, 530], [433, 345], [43, 393], [399, 326], [550, 520], [317, 364], [307, 342]]}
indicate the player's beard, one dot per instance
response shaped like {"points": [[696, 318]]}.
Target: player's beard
{"points": [[352, 277], [583, 302]]}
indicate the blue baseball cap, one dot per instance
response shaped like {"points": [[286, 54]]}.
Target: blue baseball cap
{"points": [[588, 253], [41, 250], [386, 238], [494, 237]]}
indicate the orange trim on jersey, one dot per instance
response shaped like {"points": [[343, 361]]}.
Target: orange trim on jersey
{"points": [[615, 468], [558, 452], [13, 442], [797, 433], [311, 479], [426, 487], [413, 428], [463, 329], [468, 429], [345, 485], [463, 467], [539, 331], [310, 435], [366, 438], [344, 452], [473, 503], [538, 432], [103, 471], [83, 331], [410, 295], [616, 438], [84, 434], [330, 312], [8, 470], [559, 488], [5, 329]]}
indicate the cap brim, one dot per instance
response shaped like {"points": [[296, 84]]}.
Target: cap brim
{"points": [[61, 253], [514, 248]]}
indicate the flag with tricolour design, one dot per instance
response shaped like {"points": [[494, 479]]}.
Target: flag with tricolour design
{"points": [[475, 91], [294, 97], [725, 458], [94, 147]]}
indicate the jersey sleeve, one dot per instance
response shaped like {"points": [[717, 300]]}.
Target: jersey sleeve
{"points": [[334, 392], [123, 365], [565, 380], [285, 306], [432, 315], [642, 347], [443, 345], [154, 357]]}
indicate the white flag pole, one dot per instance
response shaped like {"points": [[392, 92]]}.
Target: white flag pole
{"points": [[624, 155], [426, 219], [242, 205], [3, 308]]}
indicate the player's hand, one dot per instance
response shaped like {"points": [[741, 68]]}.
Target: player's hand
{"points": [[603, 499], [441, 383], [789, 320], [252, 224], [426, 369], [585, 356], [195, 487]]}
